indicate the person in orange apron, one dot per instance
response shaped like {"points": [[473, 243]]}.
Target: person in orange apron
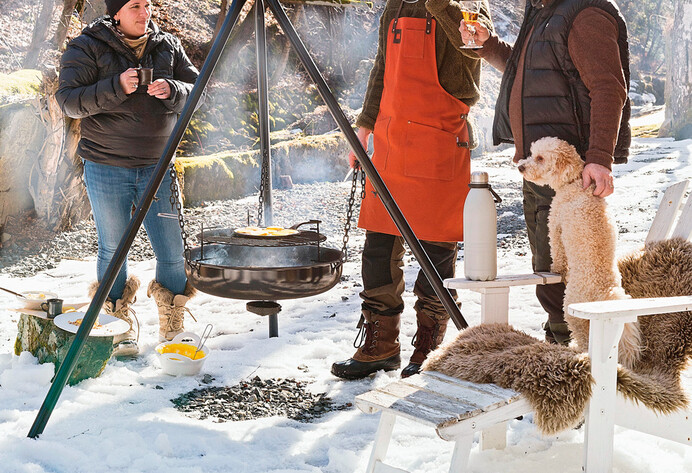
{"points": [[416, 106]]}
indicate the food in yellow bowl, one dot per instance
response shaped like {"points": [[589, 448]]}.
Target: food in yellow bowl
{"points": [[178, 356], [183, 349]]}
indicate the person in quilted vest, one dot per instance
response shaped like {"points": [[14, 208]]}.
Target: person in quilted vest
{"points": [[567, 76]]}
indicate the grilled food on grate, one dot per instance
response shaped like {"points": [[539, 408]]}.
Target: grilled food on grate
{"points": [[266, 231]]}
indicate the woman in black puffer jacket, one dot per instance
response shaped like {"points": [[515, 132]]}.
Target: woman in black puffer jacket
{"points": [[124, 129]]}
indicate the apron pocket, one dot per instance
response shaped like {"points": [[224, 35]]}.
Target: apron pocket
{"points": [[430, 153], [380, 143], [413, 42]]}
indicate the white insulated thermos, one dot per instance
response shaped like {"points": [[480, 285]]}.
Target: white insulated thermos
{"points": [[480, 229]]}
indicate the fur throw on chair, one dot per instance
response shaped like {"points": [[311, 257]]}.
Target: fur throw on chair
{"points": [[557, 380]]}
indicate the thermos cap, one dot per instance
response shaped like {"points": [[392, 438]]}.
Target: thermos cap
{"points": [[479, 177]]}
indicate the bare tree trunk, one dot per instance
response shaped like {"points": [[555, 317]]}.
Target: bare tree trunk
{"points": [[220, 19], [285, 52], [40, 34], [55, 181], [70, 204], [678, 121], [61, 33]]}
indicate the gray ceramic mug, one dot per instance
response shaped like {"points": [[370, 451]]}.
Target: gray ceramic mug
{"points": [[145, 75], [53, 307]]}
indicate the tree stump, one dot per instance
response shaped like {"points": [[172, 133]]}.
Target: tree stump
{"points": [[49, 344]]}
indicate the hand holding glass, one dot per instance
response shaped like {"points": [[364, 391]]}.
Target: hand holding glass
{"points": [[470, 11]]}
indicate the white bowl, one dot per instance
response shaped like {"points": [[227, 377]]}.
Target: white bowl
{"points": [[34, 299], [176, 356]]}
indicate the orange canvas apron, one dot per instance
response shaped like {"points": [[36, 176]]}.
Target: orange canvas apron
{"points": [[420, 140]]}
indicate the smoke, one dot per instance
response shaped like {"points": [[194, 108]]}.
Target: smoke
{"points": [[342, 43], [261, 257]]}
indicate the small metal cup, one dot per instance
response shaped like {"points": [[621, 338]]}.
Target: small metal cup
{"points": [[145, 75], [53, 307]]}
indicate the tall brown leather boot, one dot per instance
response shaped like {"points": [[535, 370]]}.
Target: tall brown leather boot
{"points": [[378, 350], [124, 345], [171, 309], [430, 334]]}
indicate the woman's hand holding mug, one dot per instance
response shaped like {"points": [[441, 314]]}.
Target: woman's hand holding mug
{"points": [[129, 80]]}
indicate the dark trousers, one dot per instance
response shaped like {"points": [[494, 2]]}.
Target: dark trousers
{"points": [[537, 200], [383, 277]]}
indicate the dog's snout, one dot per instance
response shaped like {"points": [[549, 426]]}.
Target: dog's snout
{"points": [[521, 168]]}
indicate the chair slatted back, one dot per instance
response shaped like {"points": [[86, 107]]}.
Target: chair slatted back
{"points": [[667, 215]]}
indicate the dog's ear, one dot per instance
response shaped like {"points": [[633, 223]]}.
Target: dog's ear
{"points": [[568, 165]]}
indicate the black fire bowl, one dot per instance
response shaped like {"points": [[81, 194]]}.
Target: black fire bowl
{"points": [[264, 273]]}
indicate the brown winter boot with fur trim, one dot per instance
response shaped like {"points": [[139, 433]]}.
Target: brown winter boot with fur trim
{"points": [[430, 334], [378, 350], [171, 309], [124, 345]]}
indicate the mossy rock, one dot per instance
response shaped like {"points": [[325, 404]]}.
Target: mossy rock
{"points": [[22, 82], [50, 344], [646, 131], [229, 174]]}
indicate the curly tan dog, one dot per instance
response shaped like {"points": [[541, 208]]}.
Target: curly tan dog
{"points": [[582, 238]]}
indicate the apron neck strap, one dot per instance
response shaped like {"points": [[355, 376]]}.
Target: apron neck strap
{"points": [[396, 17], [428, 19]]}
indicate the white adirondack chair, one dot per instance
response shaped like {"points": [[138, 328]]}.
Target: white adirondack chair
{"points": [[457, 409], [607, 320]]}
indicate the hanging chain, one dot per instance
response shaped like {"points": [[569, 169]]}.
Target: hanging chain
{"points": [[362, 184], [176, 204], [351, 202], [263, 183]]}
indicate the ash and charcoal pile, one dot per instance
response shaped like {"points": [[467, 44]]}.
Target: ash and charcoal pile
{"points": [[257, 398]]}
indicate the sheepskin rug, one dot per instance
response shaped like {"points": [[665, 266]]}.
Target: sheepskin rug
{"points": [[556, 379]]}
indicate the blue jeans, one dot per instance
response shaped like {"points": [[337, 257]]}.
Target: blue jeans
{"points": [[113, 191]]}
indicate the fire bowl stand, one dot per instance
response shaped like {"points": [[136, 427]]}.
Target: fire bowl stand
{"points": [[264, 308], [161, 169]]}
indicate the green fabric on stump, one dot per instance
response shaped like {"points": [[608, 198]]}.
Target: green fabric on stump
{"points": [[50, 344]]}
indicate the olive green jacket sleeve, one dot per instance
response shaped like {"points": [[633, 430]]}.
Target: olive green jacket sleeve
{"points": [[373, 94]]}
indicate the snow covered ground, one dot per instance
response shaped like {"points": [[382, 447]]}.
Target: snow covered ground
{"points": [[121, 421]]}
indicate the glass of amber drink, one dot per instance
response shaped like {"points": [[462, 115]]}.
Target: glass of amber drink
{"points": [[470, 10]]}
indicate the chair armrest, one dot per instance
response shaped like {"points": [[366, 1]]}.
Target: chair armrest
{"points": [[629, 309]]}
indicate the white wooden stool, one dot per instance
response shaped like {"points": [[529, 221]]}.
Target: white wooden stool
{"points": [[495, 293], [456, 409]]}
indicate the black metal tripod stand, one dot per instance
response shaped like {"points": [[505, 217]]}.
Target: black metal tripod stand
{"points": [[161, 169]]}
